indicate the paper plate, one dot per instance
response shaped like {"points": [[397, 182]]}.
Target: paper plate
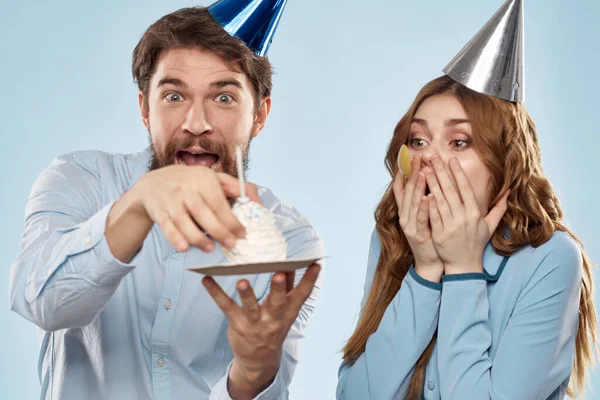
{"points": [[256, 268]]}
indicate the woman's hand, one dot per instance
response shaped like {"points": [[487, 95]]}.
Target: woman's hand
{"points": [[413, 215], [459, 231]]}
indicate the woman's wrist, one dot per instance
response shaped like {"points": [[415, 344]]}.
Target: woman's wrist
{"points": [[432, 272]]}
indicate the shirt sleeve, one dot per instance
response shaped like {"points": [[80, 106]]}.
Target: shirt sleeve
{"points": [[384, 370], [278, 390], [535, 353], [65, 272]]}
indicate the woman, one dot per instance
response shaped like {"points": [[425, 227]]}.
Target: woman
{"points": [[475, 290]]}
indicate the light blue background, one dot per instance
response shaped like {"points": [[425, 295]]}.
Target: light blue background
{"points": [[346, 72]]}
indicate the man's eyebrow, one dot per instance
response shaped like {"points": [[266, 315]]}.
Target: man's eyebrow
{"points": [[227, 82], [170, 81]]}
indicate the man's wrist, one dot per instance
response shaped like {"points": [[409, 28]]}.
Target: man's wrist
{"points": [[247, 382], [127, 225]]}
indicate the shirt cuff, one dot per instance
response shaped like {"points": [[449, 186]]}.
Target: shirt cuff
{"points": [[274, 392], [468, 276], [422, 281]]}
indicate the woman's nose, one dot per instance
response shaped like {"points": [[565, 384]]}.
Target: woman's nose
{"points": [[428, 154]]}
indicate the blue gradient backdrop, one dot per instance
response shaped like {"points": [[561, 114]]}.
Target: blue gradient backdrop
{"points": [[346, 72]]}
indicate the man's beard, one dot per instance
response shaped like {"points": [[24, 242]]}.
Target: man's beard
{"points": [[228, 165]]}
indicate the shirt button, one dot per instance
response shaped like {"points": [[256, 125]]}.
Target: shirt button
{"points": [[87, 240], [431, 385], [168, 304], [160, 362]]}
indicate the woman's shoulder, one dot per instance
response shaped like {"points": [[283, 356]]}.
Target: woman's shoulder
{"points": [[559, 258], [561, 248]]}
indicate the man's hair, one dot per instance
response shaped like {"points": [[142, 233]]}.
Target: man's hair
{"points": [[195, 28]]}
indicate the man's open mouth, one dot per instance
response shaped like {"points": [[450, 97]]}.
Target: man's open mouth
{"points": [[188, 157]]}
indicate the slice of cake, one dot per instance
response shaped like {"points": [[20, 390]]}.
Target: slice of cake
{"points": [[263, 242]]}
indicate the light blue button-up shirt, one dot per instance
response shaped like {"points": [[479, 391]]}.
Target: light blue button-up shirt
{"points": [[142, 330], [505, 334]]}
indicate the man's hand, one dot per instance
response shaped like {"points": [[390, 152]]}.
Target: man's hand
{"points": [[256, 332], [187, 202]]}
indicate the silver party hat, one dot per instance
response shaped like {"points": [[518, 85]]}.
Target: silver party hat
{"points": [[493, 61]]}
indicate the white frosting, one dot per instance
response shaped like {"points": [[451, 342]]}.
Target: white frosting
{"points": [[263, 242]]}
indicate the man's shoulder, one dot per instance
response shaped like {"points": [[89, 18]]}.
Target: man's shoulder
{"points": [[96, 160], [118, 170]]}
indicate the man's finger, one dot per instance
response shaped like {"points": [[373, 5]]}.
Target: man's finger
{"points": [[278, 295], [185, 224], [216, 199], [289, 280], [231, 187], [225, 303], [249, 301], [209, 222], [299, 295], [175, 237]]}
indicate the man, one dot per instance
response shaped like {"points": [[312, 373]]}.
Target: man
{"points": [[108, 237]]}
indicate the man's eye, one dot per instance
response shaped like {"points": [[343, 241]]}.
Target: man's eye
{"points": [[224, 98], [174, 97]]}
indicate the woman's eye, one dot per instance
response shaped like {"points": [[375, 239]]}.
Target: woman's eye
{"points": [[174, 97], [460, 144], [417, 143], [224, 98]]}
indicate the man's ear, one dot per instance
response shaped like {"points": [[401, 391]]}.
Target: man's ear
{"points": [[261, 116], [143, 109]]}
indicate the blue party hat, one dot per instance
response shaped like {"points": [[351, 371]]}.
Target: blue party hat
{"points": [[252, 21]]}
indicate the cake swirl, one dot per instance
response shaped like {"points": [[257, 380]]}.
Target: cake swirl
{"points": [[263, 241]]}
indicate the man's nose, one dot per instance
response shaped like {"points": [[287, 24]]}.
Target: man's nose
{"points": [[196, 121]]}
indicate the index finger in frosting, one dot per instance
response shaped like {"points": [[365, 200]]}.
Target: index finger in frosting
{"points": [[252, 192], [231, 187]]}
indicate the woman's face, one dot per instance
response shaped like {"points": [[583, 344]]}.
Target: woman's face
{"points": [[441, 129]]}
